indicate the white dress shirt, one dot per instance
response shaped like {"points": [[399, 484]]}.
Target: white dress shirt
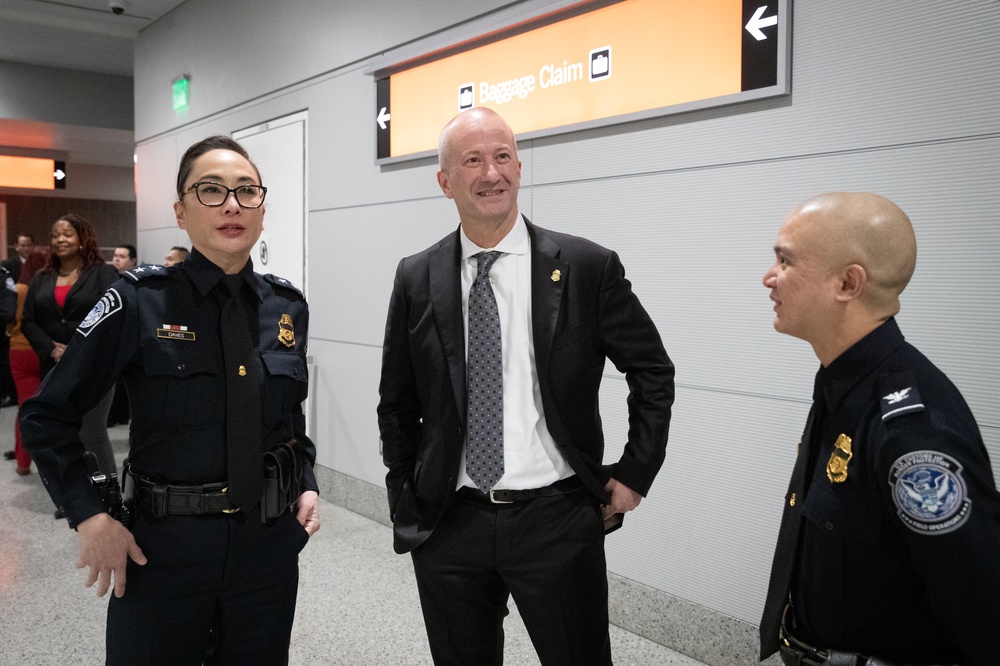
{"points": [[531, 458]]}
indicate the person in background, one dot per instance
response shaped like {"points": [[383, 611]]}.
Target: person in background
{"points": [[176, 255], [59, 297], [214, 357], [888, 544], [493, 440], [8, 393], [23, 246], [125, 258], [24, 366]]}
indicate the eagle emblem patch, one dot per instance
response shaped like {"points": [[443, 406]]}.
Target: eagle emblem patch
{"points": [[929, 492], [110, 303]]}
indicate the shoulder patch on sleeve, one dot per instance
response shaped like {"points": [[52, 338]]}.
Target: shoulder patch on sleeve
{"points": [[145, 271], [929, 492], [899, 396], [282, 282], [110, 303]]}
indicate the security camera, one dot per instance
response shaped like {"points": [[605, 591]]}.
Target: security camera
{"points": [[118, 6]]}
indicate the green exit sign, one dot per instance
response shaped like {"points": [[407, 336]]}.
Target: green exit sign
{"points": [[181, 93]]}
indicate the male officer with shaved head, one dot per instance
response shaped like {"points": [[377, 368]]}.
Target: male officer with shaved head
{"points": [[889, 541]]}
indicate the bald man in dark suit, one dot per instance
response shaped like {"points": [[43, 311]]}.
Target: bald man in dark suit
{"points": [[496, 480]]}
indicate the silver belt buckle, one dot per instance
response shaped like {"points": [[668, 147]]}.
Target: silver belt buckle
{"points": [[494, 500]]}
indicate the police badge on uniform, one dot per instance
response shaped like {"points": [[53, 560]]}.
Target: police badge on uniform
{"points": [[836, 468], [110, 303], [929, 492], [286, 332]]}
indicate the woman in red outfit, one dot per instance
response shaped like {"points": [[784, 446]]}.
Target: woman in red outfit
{"points": [[24, 366], [60, 296]]}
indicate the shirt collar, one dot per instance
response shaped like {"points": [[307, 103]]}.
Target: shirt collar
{"points": [[515, 242], [835, 381], [206, 275]]}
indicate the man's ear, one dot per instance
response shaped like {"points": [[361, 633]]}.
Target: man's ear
{"points": [[443, 183], [853, 278], [179, 214]]}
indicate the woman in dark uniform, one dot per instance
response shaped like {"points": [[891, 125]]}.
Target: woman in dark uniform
{"points": [[214, 359]]}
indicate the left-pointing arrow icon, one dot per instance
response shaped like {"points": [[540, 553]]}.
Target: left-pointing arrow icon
{"points": [[757, 21], [382, 118], [59, 174]]}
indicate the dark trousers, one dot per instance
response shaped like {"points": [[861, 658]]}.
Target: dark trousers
{"points": [[548, 553], [219, 573]]}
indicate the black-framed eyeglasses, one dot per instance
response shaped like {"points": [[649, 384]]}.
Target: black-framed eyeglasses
{"points": [[216, 194]]}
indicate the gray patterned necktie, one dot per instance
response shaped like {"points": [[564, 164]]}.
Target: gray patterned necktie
{"points": [[484, 443]]}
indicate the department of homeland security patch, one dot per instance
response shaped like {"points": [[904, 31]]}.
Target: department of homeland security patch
{"points": [[109, 304], [929, 492]]}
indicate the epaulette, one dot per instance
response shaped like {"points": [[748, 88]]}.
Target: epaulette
{"points": [[282, 282], [899, 395], [145, 271]]}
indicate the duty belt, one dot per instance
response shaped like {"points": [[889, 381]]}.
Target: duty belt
{"points": [[167, 499], [797, 653]]}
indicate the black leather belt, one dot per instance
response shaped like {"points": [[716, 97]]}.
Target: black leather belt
{"points": [[166, 499], [504, 496]]}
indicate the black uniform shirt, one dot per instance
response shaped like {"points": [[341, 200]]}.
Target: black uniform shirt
{"points": [[900, 549], [160, 329]]}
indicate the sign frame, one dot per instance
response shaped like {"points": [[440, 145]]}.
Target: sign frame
{"points": [[498, 28]]}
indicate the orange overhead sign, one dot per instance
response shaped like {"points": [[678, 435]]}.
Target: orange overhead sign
{"points": [[32, 172], [614, 62]]}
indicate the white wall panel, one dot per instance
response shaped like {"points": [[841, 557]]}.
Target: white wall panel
{"points": [[696, 244], [343, 408], [706, 531]]}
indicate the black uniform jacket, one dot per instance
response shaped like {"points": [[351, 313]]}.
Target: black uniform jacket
{"points": [[583, 311], [45, 323], [900, 550], [159, 328]]}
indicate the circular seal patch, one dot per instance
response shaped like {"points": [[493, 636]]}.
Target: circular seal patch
{"points": [[94, 315], [929, 492], [109, 304]]}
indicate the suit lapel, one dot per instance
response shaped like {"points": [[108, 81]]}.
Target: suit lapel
{"points": [[546, 296], [446, 303]]}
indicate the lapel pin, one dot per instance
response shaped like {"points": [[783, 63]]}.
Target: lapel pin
{"points": [[556, 274]]}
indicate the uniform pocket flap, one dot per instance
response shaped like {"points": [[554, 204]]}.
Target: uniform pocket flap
{"points": [[284, 363]]}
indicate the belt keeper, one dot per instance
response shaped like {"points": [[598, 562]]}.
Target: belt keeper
{"points": [[159, 500]]}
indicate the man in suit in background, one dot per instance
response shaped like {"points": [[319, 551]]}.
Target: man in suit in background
{"points": [[23, 247], [494, 446]]}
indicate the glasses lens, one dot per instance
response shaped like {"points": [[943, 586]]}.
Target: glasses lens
{"points": [[250, 196], [212, 194]]}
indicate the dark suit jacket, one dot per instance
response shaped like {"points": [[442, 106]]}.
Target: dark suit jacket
{"points": [[13, 266], [44, 323], [586, 315]]}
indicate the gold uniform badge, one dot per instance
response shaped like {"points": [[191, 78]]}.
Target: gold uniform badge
{"points": [[286, 332], [836, 468]]}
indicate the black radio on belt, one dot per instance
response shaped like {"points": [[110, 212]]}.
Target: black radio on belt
{"points": [[108, 490]]}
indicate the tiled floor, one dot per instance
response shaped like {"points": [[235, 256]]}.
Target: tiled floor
{"points": [[357, 600]]}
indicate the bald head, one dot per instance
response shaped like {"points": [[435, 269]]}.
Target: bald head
{"points": [[868, 230], [478, 117]]}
